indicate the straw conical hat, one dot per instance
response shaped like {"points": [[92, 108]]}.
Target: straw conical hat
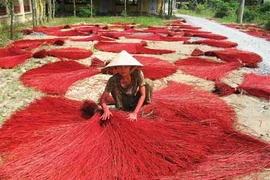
{"points": [[124, 59]]}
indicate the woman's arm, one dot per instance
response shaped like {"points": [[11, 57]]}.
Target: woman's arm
{"points": [[133, 115], [107, 113]]}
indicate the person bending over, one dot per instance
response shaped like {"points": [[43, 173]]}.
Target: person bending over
{"points": [[127, 86]]}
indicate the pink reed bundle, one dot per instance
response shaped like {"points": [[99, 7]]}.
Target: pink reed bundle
{"points": [[112, 34], [92, 38], [223, 89], [184, 101], [191, 131], [30, 44], [253, 84], [206, 68], [152, 66], [248, 59], [68, 53], [38, 116], [183, 26], [11, 51], [56, 78], [157, 37], [11, 59], [96, 62], [117, 148], [206, 35], [215, 43], [132, 48], [256, 85], [70, 32]]}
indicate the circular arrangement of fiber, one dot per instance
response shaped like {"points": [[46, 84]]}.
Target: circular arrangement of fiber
{"points": [[56, 78], [157, 37], [152, 66], [256, 85], [249, 59], [11, 57], [30, 44], [253, 84], [132, 48], [160, 144], [206, 68], [213, 42], [41, 114], [68, 53], [206, 35], [184, 133]]}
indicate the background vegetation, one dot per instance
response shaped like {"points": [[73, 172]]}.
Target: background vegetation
{"points": [[227, 11], [221, 10]]}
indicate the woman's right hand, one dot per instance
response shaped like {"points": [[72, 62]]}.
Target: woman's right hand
{"points": [[106, 115]]}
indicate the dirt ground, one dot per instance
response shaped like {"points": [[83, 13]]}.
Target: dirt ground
{"points": [[253, 114]]}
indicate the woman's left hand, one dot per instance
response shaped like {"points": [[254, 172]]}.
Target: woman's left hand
{"points": [[132, 116]]}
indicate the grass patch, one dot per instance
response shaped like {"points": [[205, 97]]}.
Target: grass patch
{"points": [[144, 20]]}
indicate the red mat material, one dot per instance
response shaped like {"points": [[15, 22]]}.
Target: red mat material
{"points": [[206, 68], [215, 43], [132, 48], [57, 77], [68, 53], [170, 145]]}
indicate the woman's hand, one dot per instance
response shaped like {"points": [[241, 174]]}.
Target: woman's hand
{"points": [[106, 115], [132, 116]]}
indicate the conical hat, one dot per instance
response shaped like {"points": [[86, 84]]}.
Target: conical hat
{"points": [[124, 59]]}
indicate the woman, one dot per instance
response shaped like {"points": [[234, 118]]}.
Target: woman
{"points": [[128, 87]]}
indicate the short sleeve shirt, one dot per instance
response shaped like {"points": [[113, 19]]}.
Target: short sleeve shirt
{"points": [[137, 80]]}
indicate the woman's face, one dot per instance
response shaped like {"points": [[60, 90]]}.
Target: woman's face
{"points": [[123, 70]]}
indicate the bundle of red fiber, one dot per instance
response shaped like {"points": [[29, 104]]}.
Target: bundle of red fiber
{"points": [[86, 29], [256, 85], [118, 149], [92, 38], [132, 48], [10, 51], [248, 59], [155, 68], [56, 78], [144, 149], [14, 60], [157, 37], [39, 115], [190, 31], [70, 32], [183, 26], [177, 139], [248, 157], [112, 34], [68, 53], [206, 68], [184, 101], [206, 35], [223, 89], [96, 62], [197, 52], [215, 43], [30, 44]]}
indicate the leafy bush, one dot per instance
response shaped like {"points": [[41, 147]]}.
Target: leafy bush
{"points": [[200, 8], [267, 25], [265, 7], [249, 15], [85, 11]]}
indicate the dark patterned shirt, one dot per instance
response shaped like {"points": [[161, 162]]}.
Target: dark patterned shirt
{"points": [[126, 98]]}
